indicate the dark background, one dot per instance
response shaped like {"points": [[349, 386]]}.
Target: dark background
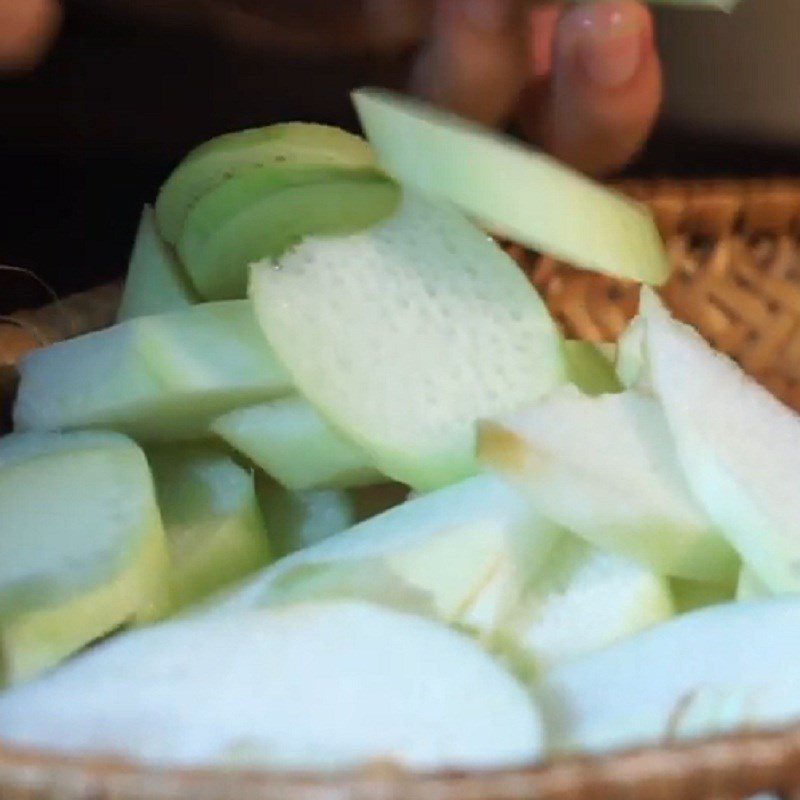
{"points": [[89, 137]]}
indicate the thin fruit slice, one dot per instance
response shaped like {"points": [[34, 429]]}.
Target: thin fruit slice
{"points": [[318, 686], [159, 377], [516, 192], [264, 212], [290, 441], [590, 369], [155, 283], [212, 520], [404, 335], [738, 445], [692, 595], [82, 550], [584, 599], [605, 468], [713, 671], [431, 555], [222, 158], [751, 588]]}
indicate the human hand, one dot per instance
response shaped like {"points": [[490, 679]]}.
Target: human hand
{"points": [[27, 28], [584, 83]]}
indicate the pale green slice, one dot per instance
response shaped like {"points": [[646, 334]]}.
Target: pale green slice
{"points": [[224, 235], [155, 283], [692, 595], [231, 154], [751, 588], [721, 670], [591, 369], [404, 335], [158, 377], [290, 441], [213, 524], [738, 445], [605, 468], [82, 551], [516, 192]]}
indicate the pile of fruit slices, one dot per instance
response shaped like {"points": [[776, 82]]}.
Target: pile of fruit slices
{"points": [[337, 438]]}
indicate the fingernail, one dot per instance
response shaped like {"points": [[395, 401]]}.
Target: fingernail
{"points": [[611, 41], [490, 16]]}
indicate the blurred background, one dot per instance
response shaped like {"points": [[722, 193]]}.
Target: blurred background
{"points": [[130, 85]]}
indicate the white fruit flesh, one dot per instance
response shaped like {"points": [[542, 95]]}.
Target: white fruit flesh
{"points": [[713, 671], [318, 686], [158, 377], [82, 550], [513, 190], [155, 283], [605, 469], [738, 445], [404, 335], [212, 521], [290, 441]]}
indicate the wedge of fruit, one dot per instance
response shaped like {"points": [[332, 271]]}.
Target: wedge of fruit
{"points": [[751, 588], [290, 441], [317, 686], [514, 191], [404, 335], [692, 595], [219, 160], [605, 468], [590, 368], [715, 671], [159, 377], [155, 283], [213, 524], [82, 549], [261, 213], [739, 446]]}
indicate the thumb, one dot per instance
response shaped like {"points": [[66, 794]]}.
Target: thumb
{"points": [[476, 60]]}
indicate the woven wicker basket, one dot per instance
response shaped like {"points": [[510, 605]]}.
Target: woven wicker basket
{"points": [[735, 250]]}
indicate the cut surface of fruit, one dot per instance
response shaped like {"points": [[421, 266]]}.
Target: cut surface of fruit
{"points": [[82, 550], [220, 159], [431, 555], [710, 672], [212, 520], [155, 283], [605, 468], [317, 686], [516, 192], [590, 369], [751, 588], [738, 445], [404, 335], [158, 377], [290, 441], [262, 213]]}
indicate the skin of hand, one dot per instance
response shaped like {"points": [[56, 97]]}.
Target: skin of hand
{"points": [[27, 29], [583, 82]]}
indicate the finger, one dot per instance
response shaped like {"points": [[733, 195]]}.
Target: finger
{"points": [[601, 99], [476, 61], [27, 29]]}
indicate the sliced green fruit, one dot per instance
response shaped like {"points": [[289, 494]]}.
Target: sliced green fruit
{"points": [[404, 335], [692, 595], [159, 377], [290, 441], [213, 524], [715, 671], [738, 445], [516, 192], [590, 369], [296, 520], [155, 283], [220, 159], [583, 599], [326, 686], [605, 468], [630, 364], [751, 588], [82, 551], [431, 555], [262, 213]]}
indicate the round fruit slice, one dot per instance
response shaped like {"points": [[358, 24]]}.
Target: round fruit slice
{"points": [[517, 193], [219, 159]]}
